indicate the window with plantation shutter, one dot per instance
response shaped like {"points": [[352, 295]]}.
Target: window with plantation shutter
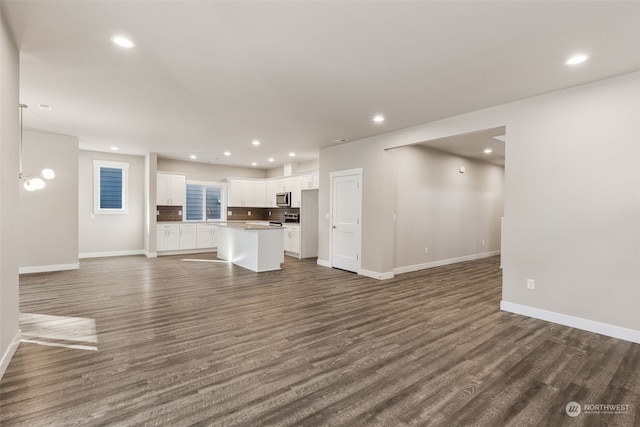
{"points": [[204, 201], [110, 187], [214, 203], [194, 202]]}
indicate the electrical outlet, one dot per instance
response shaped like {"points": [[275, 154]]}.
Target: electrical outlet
{"points": [[229, 213], [249, 213], [484, 243], [426, 250], [531, 284]]}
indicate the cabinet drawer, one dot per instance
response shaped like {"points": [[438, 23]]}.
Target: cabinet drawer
{"points": [[168, 226]]}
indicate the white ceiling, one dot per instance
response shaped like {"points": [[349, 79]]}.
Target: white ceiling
{"points": [[210, 76], [473, 145]]}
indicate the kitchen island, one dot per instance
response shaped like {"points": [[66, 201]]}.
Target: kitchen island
{"points": [[252, 246]]}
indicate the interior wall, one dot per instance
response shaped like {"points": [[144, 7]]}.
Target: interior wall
{"points": [[49, 217], [572, 211], [377, 203], [452, 214], [197, 171], [9, 303], [572, 205], [111, 234]]}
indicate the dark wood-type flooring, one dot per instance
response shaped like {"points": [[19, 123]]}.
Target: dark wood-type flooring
{"points": [[204, 343]]}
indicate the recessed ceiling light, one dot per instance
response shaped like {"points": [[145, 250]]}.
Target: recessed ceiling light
{"points": [[378, 119], [114, 148], [340, 141], [292, 154], [271, 159], [255, 142], [122, 41], [193, 156], [488, 151], [576, 59], [227, 153], [254, 164]]}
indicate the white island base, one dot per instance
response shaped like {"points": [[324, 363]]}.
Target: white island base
{"points": [[256, 247]]}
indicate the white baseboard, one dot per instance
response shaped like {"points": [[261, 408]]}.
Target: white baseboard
{"points": [[47, 268], [8, 354], [391, 274], [151, 254], [439, 263], [111, 253], [574, 322], [323, 263], [376, 275], [186, 251]]}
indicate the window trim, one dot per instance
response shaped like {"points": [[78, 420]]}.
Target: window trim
{"points": [[223, 209], [97, 165]]}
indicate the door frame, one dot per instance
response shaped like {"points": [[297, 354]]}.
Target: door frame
{"points": [[332, 175]]}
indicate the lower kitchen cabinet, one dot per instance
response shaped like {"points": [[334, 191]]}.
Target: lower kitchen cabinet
{"points": [[207, 236], [187, 236], [168, 237], [292, 239], [181, 236]]}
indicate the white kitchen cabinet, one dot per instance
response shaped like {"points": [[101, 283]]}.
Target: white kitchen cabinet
{"points": [[280, 185], [295, 186], [167, 237], [310, 181], [239, 192], [170, 190], [248, 193], [207, 236], [171, 237], [262, 193], [270, 194], [259, 194], [187, 236], [242, 193], [292, 239]]}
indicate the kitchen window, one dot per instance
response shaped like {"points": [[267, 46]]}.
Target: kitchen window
{"points": [[110, 187], [205, 201]]}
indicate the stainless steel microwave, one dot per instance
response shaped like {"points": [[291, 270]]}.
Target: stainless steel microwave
{"points": [[283, 199]]}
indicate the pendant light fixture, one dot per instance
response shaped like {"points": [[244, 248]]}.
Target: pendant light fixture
{"points": [[32, 183]]}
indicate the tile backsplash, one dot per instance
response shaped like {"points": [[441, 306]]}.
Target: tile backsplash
{"points": [[259, 214], [175, 213], [169, 213]]}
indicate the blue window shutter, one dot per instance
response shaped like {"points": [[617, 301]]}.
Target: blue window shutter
{"points": [[194, 202], [110, 188], [214, 195]]}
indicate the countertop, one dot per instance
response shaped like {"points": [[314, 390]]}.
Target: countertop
{"points": [[246, 226]]}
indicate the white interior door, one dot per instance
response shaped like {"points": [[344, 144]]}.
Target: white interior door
{"points": [[346, 208]]}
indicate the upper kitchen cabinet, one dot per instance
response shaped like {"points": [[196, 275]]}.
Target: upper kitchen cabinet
{"points": [[246, 193], [261, 193], [295, 186], [311, 181], [171, 190]]}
